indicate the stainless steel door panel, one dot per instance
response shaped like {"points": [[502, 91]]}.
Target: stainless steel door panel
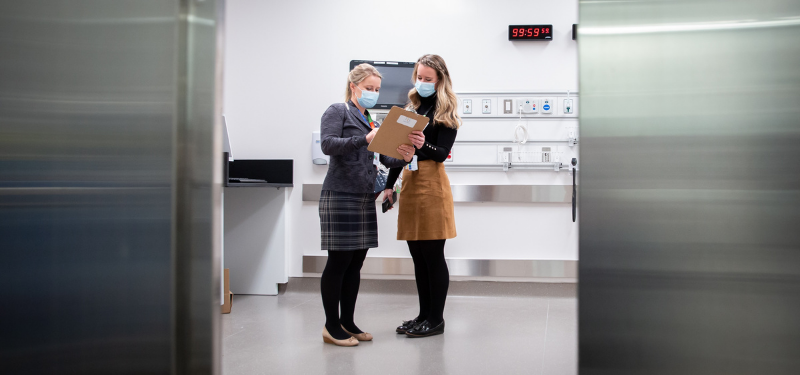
{"points": [[690, 256]]}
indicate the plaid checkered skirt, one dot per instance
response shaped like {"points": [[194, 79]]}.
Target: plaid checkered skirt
{"points": [[348, 221]]}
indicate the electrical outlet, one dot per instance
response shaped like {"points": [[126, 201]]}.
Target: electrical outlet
{"points": [[467, 106], [508, 106], [572, 133], [487, 106]]}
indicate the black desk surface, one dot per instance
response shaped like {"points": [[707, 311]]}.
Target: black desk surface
{"points": [[277, 173], [257, 184]]}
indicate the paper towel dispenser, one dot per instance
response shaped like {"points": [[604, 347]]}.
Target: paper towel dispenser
{"points": [[317, 156]]}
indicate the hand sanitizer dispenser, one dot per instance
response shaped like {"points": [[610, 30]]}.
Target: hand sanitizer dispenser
{"points": [[317, 156]]}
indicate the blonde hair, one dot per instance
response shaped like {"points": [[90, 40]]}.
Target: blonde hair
{"points": [[359, 74], [446, 100]]}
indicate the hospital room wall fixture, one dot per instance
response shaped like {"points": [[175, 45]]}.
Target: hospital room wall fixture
{"points": [[510, 132], [528, 203]]}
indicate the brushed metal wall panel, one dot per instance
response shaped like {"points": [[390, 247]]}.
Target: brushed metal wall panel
{"points": [[197, 189], [512, 193], [312, 192], [461, 267], [690, 256], [87, 101], [487, 193], [91, 95]]}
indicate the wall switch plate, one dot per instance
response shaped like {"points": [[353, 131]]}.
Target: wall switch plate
{"points": [[568, 108], [467, 106], [572, 133], [487, 106], [545, 154], [547, 105], [508, 106], [530, 105]]}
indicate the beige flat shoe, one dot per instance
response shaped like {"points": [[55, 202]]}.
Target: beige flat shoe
{"points": [[326, 337], [366, 336]]}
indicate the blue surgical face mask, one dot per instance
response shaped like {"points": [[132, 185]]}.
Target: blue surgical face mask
{"points": [[425, 89], [368, 99]]}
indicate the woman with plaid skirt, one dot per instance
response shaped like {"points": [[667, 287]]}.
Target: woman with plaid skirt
{"points": [[347, 211]]}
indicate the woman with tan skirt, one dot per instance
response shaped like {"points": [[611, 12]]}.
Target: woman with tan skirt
{"points": [[426, 218]]}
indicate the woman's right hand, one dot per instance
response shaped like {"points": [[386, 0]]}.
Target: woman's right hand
{"points": [[407, 151], [371, 135], [417, 138], [387, 194]]}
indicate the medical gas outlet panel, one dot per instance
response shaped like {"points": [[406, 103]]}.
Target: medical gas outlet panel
{"points": [[516, 131], [488, 106]]}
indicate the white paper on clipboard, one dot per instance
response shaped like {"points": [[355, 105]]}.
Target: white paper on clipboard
{"points": [[407, 121]]}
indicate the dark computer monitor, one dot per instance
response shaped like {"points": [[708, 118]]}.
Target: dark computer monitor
{"points": [[396, 82]]}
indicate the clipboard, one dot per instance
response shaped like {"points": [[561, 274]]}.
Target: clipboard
{"points": [[394, 131]]}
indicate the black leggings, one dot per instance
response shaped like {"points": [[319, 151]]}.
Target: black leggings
{"points": [[432, 276], [339, 286]]}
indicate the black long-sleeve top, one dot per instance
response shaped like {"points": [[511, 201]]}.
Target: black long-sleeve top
{"points": [[439, 140]]}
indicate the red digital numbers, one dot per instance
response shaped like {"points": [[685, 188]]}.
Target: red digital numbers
{"points": [[529, 32]]}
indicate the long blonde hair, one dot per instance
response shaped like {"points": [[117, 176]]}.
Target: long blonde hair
{"points": [[446, 100], [357, 75]]}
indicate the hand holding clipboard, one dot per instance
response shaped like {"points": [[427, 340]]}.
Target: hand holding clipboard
{"points": [[394, 131]]}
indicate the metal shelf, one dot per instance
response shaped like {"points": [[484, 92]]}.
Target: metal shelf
{"points": [[515, 143], [485, 193], [500, 167]]}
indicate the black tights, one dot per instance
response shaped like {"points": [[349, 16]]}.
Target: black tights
{"points": [[339, 284], [433, 278]]}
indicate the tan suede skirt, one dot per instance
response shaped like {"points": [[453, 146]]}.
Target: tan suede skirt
{"points": [[426, 204]]}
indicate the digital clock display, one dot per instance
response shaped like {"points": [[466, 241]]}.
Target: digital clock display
{"points": [[530, 32]]}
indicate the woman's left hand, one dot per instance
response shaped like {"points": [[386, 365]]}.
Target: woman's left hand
{"points": [[407, 151], [417, 138]]}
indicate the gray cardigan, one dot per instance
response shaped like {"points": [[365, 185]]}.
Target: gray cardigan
{"points": [[343, 133]]}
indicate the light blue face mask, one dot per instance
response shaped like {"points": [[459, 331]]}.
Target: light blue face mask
{"points": [[368, 99], [425, 89]]}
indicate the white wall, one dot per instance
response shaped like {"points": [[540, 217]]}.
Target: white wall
{"points": [[287, 61]]}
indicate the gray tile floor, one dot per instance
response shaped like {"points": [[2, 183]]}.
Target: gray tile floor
{"points": [[492, 328]]}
